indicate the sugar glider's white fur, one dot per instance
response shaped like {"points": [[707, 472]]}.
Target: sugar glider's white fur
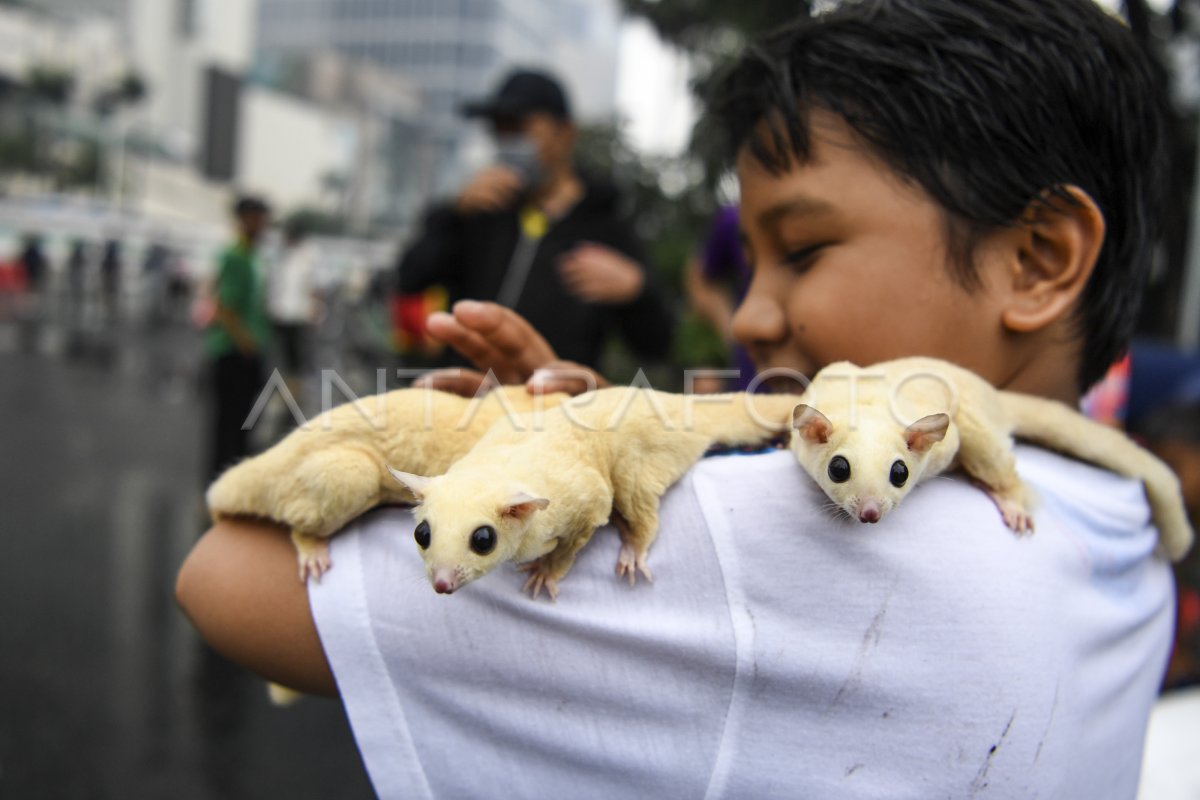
{"points": [[326, 473], [606, 454], [931, 416]]}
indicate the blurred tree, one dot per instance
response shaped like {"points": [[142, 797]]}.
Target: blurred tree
{"points": [[18, 153], [129, 90], [713, 32], [84, 169], [665, 195], [317, 222], [50, 84], [714, 26]]}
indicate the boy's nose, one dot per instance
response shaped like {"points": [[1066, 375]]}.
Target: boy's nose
{"points": [[758, 323]]}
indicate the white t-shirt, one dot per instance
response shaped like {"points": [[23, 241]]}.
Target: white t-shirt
{"points": [[289, 287], [780, 652]]}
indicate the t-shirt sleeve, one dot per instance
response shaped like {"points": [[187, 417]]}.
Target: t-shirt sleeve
{"points": [[343, 615]]}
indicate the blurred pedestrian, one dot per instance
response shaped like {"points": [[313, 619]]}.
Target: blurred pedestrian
{"points": [[234, 340], [716, 282], [533, 234], [33, 260], [110, 279], [77, 272], [154, 274], [292, 303]]}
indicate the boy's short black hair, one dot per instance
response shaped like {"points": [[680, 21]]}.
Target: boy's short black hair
{"points": [[989, 106], [249, 204]]}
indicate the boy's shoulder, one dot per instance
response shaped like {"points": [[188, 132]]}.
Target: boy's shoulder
{"points": [[1077, 503]]}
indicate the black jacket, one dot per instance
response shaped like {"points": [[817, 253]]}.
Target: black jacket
{"points": [[470, 255]]}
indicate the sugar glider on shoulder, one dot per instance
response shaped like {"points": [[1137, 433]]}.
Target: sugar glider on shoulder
{"points": [[332, 469], [536, 498], [868, 435]]}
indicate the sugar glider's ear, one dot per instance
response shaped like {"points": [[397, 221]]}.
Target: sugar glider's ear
{"points": [[414, 483], [813, 426], [926, 432], [521, 505]]}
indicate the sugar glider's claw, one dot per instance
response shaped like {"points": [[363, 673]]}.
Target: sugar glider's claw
{"points": [[539, 578], [313, 557], [1018, 520], [630, 562], [538, 581]]}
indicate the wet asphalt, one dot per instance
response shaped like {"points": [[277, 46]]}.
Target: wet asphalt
{"points": [[105, 689]]}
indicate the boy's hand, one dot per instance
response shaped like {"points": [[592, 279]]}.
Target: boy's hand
{"points": [[503, 343], [557, 376]]}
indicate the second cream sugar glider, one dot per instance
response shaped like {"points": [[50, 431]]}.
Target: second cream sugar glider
{"points": [[537, 498], [333, 468], [868, 435]]}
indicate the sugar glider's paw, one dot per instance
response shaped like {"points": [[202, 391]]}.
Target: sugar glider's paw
{"points": [[313, 556], [1015, 505], [630, 562], [540, 577], [1016, 516]]}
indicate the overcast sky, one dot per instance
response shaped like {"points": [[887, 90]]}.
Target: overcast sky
{"points": [[652, 91]]}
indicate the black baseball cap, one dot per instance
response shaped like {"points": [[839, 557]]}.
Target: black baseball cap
{"points": [[521, 93]]}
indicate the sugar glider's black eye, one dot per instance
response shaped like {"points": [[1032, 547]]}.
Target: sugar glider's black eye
{"points": [[483, 540], [899, 475], [839, 469], [421, 534]]}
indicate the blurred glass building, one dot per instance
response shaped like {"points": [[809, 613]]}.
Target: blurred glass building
{"points": [[452, 50]]}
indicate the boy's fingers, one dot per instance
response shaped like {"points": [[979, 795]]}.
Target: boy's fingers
{"points": [[448, 330], [493, 338], [565, 376], [463, 382], [507, 334]]}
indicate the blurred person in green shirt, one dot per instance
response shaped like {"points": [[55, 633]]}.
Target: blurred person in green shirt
{"points": [[235, 339]]}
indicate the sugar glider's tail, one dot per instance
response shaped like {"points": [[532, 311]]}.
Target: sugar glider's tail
{"points": [[738, 419], [1057, 426]]}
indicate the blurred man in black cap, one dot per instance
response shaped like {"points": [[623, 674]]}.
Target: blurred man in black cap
{"points": [[532, 234]]}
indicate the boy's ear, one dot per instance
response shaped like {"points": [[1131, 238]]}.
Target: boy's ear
{"points": [[1053, 252]]}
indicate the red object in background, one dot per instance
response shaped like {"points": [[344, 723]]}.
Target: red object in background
{"points": [[1189, 610], [12, 277], [409, 312], [1108, 400]]}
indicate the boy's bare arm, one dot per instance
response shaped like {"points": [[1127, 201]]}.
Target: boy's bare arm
{"points": [[238, 586]]}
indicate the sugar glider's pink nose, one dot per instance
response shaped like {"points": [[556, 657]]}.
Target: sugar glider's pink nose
{"points": [[869, 512], [444, 581]]}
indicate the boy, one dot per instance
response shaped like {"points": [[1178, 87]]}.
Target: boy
{"points": [[968, 179]]}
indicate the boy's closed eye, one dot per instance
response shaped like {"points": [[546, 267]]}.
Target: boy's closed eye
{"points": [[801, 259]]}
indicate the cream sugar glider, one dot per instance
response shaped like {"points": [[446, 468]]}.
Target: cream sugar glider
{"points": [[537, 498], [333, 468], [868, 435]]}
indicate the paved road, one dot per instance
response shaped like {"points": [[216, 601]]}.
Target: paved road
{"points": [[105, 690]]}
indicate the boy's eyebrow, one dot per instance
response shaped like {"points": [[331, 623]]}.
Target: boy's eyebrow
{"points": [[796, 205]]}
